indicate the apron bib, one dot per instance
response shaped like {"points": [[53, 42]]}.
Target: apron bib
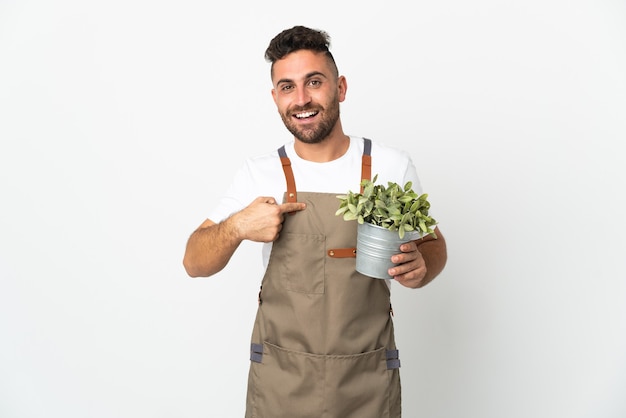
{"points": [[323, 340]]}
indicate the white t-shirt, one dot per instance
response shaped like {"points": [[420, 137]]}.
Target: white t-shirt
{"points": [[264, 176]]}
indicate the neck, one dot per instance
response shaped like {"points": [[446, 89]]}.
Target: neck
{"points": [[331, 148]]}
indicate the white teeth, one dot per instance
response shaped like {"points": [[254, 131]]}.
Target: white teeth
{"points": [[305, 115]]}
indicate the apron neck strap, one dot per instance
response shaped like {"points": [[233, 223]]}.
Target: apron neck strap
{"points": [[366, 161], [366, 168], [291, 182]]}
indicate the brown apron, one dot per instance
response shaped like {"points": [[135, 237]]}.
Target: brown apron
{"points": [[323, 341]]}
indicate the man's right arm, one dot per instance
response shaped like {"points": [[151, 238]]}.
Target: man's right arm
{"points": [[211, 246]]}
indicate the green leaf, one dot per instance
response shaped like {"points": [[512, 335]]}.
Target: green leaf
{"points": [[341, 210], [349, 216], [394, 210]]}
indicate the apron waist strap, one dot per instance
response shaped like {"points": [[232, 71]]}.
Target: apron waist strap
{"points": [[392, 356], [256, 353], [393, 359], [342, 252]]}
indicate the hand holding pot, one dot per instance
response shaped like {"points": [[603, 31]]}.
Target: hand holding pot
{"points": [[411, 266]]}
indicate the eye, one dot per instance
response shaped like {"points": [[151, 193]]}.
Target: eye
{"points": [[286, 88], [315, 83]]}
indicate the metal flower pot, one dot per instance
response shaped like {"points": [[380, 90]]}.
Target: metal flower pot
{"points": [[374, 247]]}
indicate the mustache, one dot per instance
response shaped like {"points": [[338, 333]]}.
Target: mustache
{"points": [[308, 108]]}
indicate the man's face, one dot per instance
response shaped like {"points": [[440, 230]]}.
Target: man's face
{"points": [[307, 93]]}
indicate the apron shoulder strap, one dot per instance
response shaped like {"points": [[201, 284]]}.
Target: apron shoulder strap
{"points": [[366, 161], [291, 182]]}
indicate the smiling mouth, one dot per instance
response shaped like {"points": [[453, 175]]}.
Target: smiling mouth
{"points": [[305, 115]]}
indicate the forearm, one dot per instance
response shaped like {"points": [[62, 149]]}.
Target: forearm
{"points": [[210, 247], [434, 252]]}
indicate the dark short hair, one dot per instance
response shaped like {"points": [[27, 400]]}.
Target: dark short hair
{"points": [[296, 39]]}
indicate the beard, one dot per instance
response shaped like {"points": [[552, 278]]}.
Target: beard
{"points": [[318, 132]]}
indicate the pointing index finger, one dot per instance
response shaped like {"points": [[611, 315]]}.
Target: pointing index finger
{"points": [[292, 207]]}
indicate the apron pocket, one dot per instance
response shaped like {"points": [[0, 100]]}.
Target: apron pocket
{"points": [[301, 262], [358, 385], [289, 383]]}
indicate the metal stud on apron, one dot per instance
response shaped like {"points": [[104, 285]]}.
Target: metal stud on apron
{"points": [[323, 340]]}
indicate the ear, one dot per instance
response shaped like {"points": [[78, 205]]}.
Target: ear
{"points": [[342, 86], [274, 96]]}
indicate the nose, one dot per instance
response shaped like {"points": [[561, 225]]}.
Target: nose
{"points": [[303, 97]]}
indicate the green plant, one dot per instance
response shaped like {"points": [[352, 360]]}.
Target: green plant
{"points": [[392, 207]]}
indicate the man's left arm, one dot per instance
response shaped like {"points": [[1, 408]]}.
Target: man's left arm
{"points": [[420, 261]]}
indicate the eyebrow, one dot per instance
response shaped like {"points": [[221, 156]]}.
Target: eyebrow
{"points": [[309, 75]]}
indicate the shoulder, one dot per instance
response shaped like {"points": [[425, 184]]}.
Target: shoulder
{"points": [[387, 157], [259, 167], [257, 176], [264, 160], [384, 150]]}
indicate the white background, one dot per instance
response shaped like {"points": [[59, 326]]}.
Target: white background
{"points": [[122, 121]]}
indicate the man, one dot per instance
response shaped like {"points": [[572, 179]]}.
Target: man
{"points": [[323, 340]]}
